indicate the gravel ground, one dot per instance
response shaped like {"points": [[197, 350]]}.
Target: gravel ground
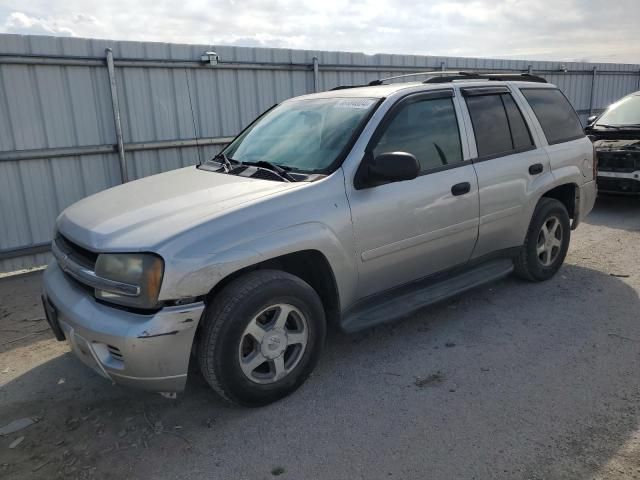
{"points": [[510, 381]]}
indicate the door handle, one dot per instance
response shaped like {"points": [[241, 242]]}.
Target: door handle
{"points": [[536, 168], [461, 188]]}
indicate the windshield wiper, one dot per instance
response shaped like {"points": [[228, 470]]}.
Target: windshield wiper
{"points": [[280, 170], [226, 161], [604, 125]]}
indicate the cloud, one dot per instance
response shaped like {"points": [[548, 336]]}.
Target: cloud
{"points": [[18, 22], [561, 30]]}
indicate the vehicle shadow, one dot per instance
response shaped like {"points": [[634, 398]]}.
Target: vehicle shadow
{"points": [[616, 211], [512, 380]]}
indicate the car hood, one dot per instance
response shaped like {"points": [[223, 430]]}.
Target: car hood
{"points": [[617, 144], [142, 214]]}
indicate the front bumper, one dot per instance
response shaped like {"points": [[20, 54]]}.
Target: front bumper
{"points": [[619, 182], [150, 352]]}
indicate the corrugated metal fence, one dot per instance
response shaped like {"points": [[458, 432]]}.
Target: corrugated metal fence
{"points": [[58, 134]]}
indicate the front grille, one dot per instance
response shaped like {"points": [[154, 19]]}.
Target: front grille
{"points": [[87, 288], [78, 254], [618, 185], [618, 161]]}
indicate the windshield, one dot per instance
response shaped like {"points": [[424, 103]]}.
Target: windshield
{"points": [[303, 135], [623, 112]]}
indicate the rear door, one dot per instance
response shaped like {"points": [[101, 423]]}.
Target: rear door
{"points": [[569, 149], [411, 229], [509, 166]]}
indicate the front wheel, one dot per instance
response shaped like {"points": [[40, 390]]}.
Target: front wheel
{"points": [[547, 241], [262, 337]]}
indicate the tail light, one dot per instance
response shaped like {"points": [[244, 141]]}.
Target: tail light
{"points": [[595, 163]]}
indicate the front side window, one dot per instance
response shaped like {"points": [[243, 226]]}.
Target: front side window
{"points": [[427, 129], [498, 125], [303, 135], [558, 119]]}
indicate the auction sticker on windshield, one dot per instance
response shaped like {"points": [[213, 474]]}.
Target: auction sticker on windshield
{"points": [[355, 103]]}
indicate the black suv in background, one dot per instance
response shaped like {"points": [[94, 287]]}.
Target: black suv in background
{"points": [[616, 138]]}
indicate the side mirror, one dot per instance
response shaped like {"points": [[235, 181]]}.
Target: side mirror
{"points": [[591, 119], [386, 168]]}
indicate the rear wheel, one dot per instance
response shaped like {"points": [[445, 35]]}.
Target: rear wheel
{"points": [[546, 243], [262, 337]]}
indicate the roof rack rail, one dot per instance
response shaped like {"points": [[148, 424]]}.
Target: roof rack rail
{"points": [[381, 80], [444, 76], [343, 87], [502, 76], [416, 74]]}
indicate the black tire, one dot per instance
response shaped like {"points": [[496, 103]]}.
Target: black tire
{"points": [[225, 320], [528, 265]]}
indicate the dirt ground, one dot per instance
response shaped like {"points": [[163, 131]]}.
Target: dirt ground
{"points": [[510, 381]]}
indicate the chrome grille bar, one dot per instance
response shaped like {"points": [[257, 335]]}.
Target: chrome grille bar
{"points": [[89, 277]]}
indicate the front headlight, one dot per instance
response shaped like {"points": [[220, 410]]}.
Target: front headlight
{"points": [[142, 270]]}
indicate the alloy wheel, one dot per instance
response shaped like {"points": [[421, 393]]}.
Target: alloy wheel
{"points": [[549, 241], [273, 343]]}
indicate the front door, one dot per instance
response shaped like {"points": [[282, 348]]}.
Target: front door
{"points": [[411, 229]]}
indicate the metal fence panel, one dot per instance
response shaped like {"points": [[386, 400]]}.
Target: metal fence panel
{"points": [[57, 132]]}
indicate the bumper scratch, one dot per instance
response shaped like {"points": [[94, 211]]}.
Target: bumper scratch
{"points": [[148, 335]]}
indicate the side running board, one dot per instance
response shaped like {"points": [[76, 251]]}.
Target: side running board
{"points": [[403, 301]]}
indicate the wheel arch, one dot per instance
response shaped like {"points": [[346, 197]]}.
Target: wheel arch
{"points": [[568, 194], [311, 265]]}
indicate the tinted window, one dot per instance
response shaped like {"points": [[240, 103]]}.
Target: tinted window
{"points": [[557, 117], [519, 130], [427, 129], [490, 125]]}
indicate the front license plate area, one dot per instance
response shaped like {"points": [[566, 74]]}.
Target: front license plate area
{"points": [[52, 319]]}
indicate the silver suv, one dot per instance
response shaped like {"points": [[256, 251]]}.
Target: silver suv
{"points": [[351, 207]]}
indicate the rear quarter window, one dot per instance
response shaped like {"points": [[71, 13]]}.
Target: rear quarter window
{"points": [[558, 119]]}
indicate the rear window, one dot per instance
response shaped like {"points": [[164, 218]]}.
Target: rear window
{"points": [[557, 117]]}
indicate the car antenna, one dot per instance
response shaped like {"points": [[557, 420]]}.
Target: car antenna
{"points": [[193, 118]]}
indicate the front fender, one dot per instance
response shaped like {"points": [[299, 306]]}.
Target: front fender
{"points": [[201, 274]]}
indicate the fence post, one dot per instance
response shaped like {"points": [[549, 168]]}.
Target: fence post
{"points": [[116, 115], [593, 90], [316, 75]]}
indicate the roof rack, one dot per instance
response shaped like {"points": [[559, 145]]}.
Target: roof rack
{"points": [[416, 74], [501, 77], [444, 76]]}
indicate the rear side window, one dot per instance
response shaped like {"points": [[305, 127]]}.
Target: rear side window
{"points": [[428, 129], [519, 130], [498, 125], [557, 117]]}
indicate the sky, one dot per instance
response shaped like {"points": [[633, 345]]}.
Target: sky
{"points": [[558, 30]]}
